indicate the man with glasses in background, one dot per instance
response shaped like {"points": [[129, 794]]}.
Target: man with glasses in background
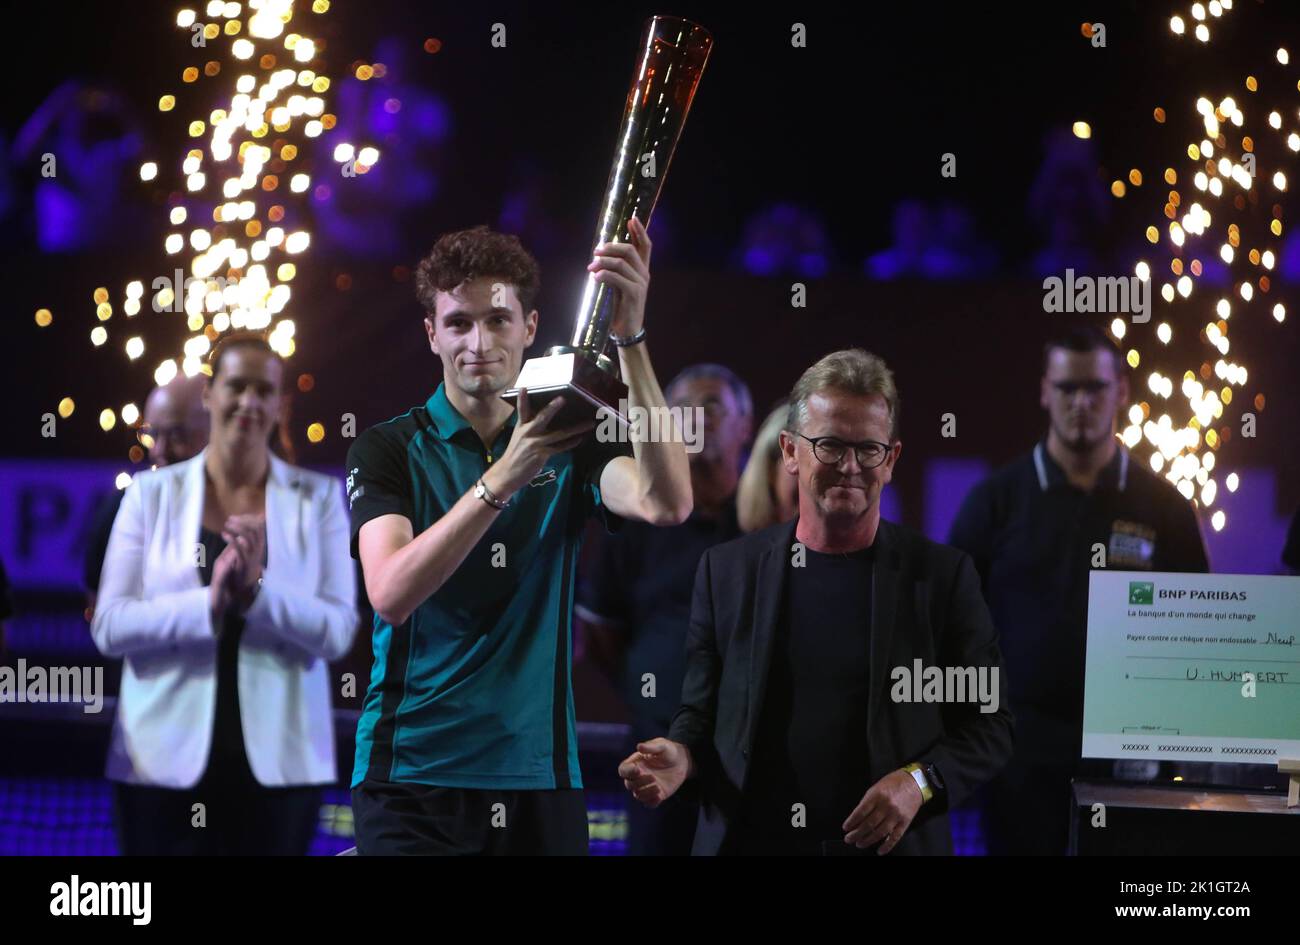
{"points": [[793, 718], [1034, 529], [634, 599], [175, 428]]}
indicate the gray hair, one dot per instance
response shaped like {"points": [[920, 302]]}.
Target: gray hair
{"points": [[717, 372], [852, 371]]}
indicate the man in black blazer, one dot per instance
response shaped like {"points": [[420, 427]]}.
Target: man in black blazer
{"points": [[843, 678]]}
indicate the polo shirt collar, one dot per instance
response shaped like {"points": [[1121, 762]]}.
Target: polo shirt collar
{"points": [[449, 421], [1051, 475]]}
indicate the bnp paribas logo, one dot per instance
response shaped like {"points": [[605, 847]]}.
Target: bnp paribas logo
{"points": [[1141, 592]]}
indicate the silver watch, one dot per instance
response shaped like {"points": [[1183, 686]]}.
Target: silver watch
{"points": [[481, 491]]}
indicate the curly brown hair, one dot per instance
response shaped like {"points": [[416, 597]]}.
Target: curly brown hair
{"points": [[473, 254]]}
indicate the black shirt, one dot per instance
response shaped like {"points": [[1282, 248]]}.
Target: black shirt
{"points": [[810, 747], [643, 577], [1032, 536], [228, 760], [228, 770]]}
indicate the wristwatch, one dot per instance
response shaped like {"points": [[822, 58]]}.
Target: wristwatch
{"points": [[481, 491], [926, 778]]}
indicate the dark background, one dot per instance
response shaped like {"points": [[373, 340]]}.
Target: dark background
{"points": [[796, 165], [844, 129]]}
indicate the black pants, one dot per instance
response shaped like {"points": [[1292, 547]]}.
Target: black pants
{"points": [[404, 819], [237, 820]]}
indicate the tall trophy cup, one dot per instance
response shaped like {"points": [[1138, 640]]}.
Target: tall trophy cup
{"points": [[672, 58]]}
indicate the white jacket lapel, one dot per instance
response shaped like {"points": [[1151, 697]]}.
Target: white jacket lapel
{"points": [[283, 516], [186, 519]]}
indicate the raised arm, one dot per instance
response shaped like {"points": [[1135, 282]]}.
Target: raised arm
{"points": [[654, 485]]}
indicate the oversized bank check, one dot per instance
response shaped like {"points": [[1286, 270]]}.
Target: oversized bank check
{"points": [[1192, 667]]}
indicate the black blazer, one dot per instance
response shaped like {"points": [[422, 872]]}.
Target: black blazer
{"points": [[926, 604]]}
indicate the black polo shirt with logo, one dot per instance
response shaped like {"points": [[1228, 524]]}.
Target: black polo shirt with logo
{"points": [[1032, 535]]}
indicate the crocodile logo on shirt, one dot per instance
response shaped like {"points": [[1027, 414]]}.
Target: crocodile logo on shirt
{"points": [[543, 478]]}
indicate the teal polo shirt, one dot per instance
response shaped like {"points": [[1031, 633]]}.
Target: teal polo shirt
{"points": [[473, 690]]}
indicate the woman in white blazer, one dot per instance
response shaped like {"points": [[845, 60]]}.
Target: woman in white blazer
{"points": [[227, 587]]}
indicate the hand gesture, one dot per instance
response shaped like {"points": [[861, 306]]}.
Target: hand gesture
{"points": [[247, 535], [532, 444], [884, 813], [224, 585], [655, 771], [625, 267]]}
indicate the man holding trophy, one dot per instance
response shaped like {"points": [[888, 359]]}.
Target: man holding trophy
{"points": [[467, 516]]}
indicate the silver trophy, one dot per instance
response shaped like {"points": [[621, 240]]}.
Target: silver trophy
{"points": [[668, 70]]}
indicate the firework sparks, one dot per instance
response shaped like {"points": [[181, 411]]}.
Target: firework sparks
{"points": [[1200, 16], [227, 222], [1182, 423]]}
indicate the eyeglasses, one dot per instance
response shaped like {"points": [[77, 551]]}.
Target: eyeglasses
{"points": [[712, 406], [830, 450]]}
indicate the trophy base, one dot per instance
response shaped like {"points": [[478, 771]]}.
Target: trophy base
{"points": [[587, 387]]}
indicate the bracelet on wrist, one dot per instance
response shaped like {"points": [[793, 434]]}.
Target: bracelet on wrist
{"points": [[481, 491], [628, 342], [917, 773]]}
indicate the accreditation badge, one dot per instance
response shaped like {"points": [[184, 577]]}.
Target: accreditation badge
{"points": [[1131, 545]]}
